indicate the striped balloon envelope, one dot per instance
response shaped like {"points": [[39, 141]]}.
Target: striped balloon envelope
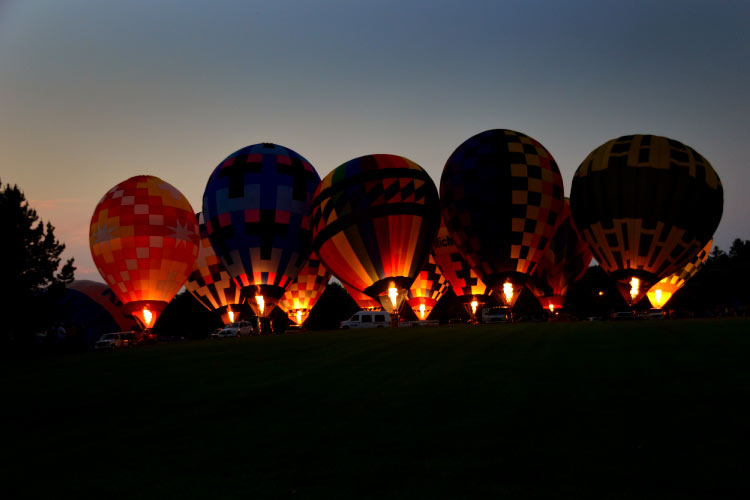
{"points": [[565, 261], [646, 205], [257, 210], [464, 281], [210, 283], [374, 221], [501, 195], [108, 306], [305, 290], [427, 289], [662, 292], [364, 301], [144, 240]]}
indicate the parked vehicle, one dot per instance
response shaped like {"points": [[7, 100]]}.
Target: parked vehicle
{"points": [[624, 315], [236, 329], [654, 314], [367, 319], [115, 340], [499, 314]]}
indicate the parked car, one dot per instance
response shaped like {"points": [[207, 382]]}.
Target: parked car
{"points": [[367, 319], [236, 329], [499, 314], [115, 340], [624, 315], [654, 314]]}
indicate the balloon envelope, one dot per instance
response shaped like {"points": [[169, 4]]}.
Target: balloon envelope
{"points": [[427, 289], [144, 241], [257, 210], [364, 301], [210, 283], [305, 290], [374, 221], [646, 205], [564, 262], [501, 194], [662, 292]]}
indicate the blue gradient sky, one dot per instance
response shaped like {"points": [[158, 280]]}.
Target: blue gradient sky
{"points": [[93, 92]]}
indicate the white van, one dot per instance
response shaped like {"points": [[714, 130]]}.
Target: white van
{"points": [[368, 319], [495, 314]]}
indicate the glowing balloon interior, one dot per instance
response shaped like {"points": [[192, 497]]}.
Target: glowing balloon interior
{"points": [[144, 241], [305, 290]]}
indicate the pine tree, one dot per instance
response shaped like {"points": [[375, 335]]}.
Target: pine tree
{"points": [[29, 262]]}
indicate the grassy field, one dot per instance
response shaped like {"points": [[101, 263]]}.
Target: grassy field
{"points": [[650, 409]]}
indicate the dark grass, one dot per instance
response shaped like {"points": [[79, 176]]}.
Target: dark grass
{"points": [[657, 409]]}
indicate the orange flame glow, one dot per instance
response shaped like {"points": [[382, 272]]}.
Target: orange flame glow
{"points": [[147, 317], [261, 303], [508, 291], [551, 307], [421, 311], [474, 305], [231, 316], [299, 317], [635, 284], [393, 294]]}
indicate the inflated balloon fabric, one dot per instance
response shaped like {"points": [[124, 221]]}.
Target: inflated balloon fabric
{"points": [[257, 210], [144, 239], [501, 194], [427, 288], [106, 311], [374, 221], [646, 203], [209, 282], [662, 292], [363, 300], [463, 280], [565, 261], [306, 289]]}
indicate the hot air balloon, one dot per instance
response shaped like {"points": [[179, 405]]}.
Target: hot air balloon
{"points": [[305, 290], [662, 292], [364, 301], [501, 195], [144, 241], [257, 210], [210, 283], [646, 205], [564, 262], [94, 309], [374, 220], [464, 281], [427, 289]]}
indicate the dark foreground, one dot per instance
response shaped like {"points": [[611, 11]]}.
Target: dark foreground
{"points": [[657, 409]]}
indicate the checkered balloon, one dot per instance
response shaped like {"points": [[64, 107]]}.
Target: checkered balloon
{"points": [[257, 210], [210, 283], [144, 241], [462, 278], [305, 290], [501, 194], [374, 219], [565, 261], [646, 205], [427, 289], [662, 292]]}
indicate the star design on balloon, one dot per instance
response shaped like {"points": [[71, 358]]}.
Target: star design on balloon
{"points": [[182, 233], [103, 233]]}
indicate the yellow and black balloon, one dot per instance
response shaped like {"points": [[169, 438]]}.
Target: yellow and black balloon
{"points": [[501, 195], [662, 292], [429, 286], [646, 205]]}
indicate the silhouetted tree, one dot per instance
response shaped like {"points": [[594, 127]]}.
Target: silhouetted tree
{"points": [[29, 260]]}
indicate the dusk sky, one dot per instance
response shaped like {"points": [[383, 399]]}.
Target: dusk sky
{"points": [[94, 92]]}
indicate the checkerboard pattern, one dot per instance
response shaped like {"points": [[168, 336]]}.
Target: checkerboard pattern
{"points": [[462, 278], [501, 194], [144, 239], [564, 262], [257, 210], [427, 288], [306, 289], [374, 218], [646, 203], [669, 285], [209, 282]]}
